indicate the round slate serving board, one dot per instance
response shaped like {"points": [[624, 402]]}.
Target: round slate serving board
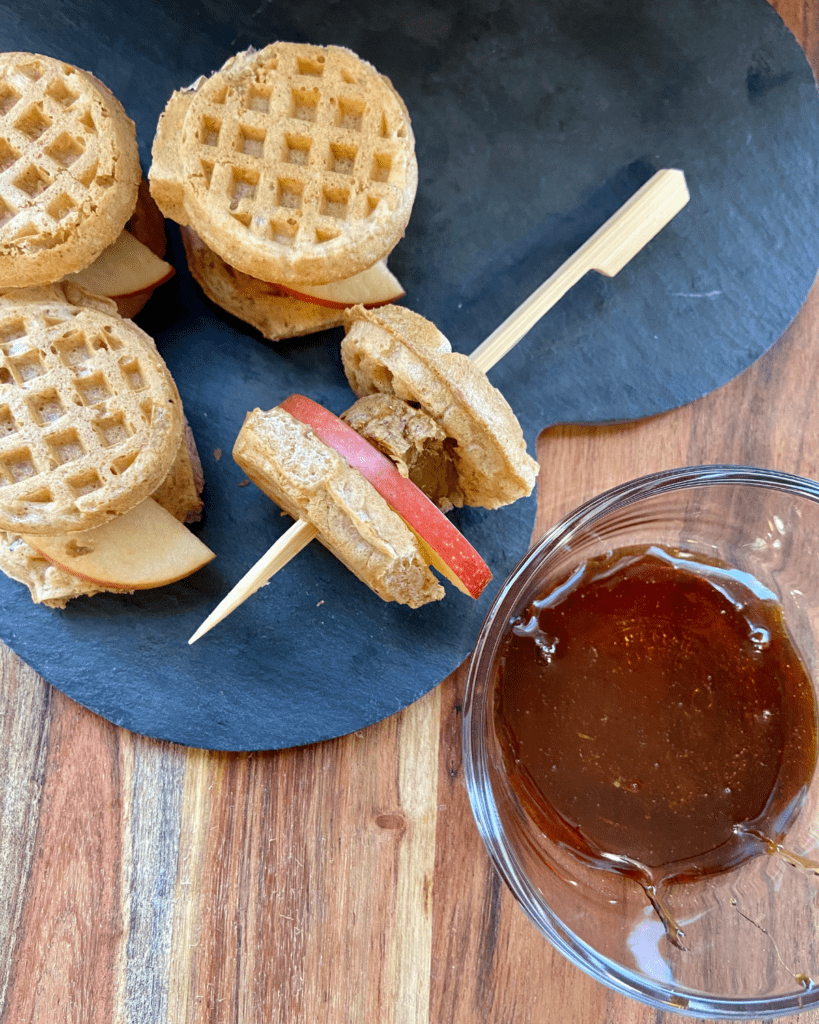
{"points": [[534, 122]]}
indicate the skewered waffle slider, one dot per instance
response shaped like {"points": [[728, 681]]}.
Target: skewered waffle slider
{"points": [[431, 431], [292, 171], [69, 183]]}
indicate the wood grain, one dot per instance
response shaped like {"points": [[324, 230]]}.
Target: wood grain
{"points": [[341, 883]]}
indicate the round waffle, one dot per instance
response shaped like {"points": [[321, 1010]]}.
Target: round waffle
{"points": [[69, 169], [296, 163], [90, 419], [395, 351], [47, 584]]}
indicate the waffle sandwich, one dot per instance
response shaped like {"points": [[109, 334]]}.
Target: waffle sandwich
{"points": [[70, 183], [91, 427], [291, 169]]}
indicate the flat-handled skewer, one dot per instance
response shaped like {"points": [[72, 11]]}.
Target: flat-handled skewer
{"points": [[608, 250]]}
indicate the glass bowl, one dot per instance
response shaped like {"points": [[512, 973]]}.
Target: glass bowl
{"points": [[751, 932]]}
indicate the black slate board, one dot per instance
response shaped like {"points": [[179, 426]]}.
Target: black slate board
{"points": [[534, 122]]}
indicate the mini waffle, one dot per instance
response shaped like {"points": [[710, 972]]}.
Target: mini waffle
{"points": [[54, 587], [296, 163], [90, 419], [397, 352], [69, 169]]}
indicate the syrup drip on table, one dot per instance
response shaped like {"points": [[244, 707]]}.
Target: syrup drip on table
{"points": [[656, 719]]}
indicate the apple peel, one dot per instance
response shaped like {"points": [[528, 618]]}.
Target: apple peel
{"points": [[141, 549], [442, 544]]}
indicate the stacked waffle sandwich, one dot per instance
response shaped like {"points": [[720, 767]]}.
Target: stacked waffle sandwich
{"points": [[91, 424], [72, 202], [292, 172]]}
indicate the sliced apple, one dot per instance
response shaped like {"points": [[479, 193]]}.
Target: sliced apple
{"points": [[143, 548], [375, 286], [443, 545], [147, 224], [124, 268]]}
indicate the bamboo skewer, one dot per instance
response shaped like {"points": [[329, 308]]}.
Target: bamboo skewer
{"points": [[608, 250], [290, 543]]}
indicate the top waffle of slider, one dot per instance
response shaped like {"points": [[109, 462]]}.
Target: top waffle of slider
{"points": [[393, 351], [295, 164], [69, 169]]}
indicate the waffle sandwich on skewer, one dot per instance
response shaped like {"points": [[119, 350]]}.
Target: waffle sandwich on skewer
{"points": [[435, 404]]}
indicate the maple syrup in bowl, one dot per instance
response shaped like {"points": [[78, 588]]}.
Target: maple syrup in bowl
{"points": [[640, 740]]}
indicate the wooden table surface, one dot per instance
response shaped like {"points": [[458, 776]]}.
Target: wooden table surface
{"points": [[341, 883]]}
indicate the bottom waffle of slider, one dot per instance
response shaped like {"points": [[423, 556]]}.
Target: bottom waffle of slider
{"points": [[267, 307], [98, 470], [278, 311]]}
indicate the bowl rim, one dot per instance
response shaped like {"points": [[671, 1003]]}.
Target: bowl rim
{"points": [[660, 995]]}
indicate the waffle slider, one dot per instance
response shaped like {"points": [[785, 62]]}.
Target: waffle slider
{"points": [[430, 433], [91, 432], [70, 183], [292, 172]]}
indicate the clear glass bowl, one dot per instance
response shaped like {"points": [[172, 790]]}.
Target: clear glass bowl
{"points": [[752, 932]]}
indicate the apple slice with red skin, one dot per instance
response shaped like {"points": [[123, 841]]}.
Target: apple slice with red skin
{"points": [[141, 549], [147, 225], [373, 287], [124, 268], [442, 544]]}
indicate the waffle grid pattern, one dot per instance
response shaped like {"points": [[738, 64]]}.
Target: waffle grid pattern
{"points": [[56, 159], [305, 150], [78, 403]]}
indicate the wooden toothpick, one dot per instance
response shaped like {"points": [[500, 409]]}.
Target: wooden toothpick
{"points": [[608, 250]]}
